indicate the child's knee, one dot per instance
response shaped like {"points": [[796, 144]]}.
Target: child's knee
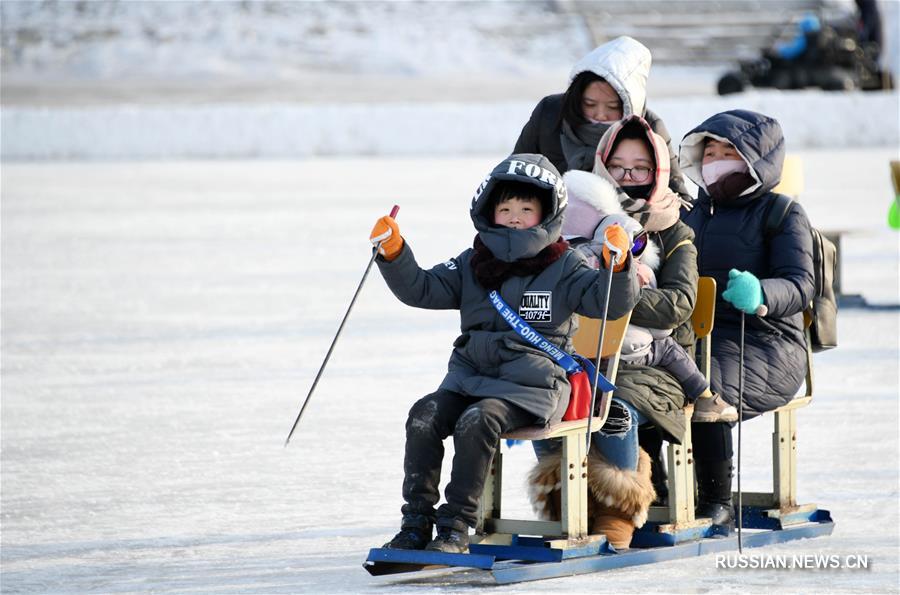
{"points": [[423, 415], [476, 420]]}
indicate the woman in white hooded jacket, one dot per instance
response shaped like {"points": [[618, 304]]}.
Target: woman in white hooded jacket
{"points": [[608, 84]]}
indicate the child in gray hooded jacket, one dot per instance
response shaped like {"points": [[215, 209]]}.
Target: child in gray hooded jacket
{"points": [[495, 382], [645, 346]]}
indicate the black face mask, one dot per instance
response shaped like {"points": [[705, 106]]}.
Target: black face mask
{"points": [[728, 190], [642, 191]]}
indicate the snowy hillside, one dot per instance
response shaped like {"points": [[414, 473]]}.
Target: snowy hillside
{"points": [[208, 40], [148, 80], [810, 119]]}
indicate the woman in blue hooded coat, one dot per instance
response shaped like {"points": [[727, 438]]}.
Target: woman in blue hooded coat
{"points": [[736, 158]]}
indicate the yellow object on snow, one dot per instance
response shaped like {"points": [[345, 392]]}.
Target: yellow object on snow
{"points": [[894, 211], [791, 182]]}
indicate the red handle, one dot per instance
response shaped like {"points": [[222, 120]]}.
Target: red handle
{"points": [[394, 211]]}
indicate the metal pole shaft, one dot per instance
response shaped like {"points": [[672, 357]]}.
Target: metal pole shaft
{"points": [[740, 503], [599, 357], [337, 335]]}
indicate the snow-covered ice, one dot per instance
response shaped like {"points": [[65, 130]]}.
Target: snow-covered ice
{"points": [[162, 323]]}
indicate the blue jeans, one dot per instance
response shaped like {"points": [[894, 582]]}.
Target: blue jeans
{"points": [[617, 440]]}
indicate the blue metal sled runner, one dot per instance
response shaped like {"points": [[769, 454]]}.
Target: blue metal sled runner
{"points": [[501, 548], [530, 558]]}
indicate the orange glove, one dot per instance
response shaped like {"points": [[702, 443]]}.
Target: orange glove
{"points": [[387, 233], [616, 238]]}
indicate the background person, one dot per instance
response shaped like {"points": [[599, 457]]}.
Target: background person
{"points": [[608, 84]]}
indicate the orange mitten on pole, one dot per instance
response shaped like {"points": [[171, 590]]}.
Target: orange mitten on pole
{"points": [[615, 240], [386, 237]]}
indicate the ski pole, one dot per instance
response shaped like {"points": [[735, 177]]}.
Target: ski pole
{"points": [[740, 503], [587, 448], [338, 334]]}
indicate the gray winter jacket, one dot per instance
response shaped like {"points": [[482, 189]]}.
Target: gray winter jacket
{"points": [[489, 359]]}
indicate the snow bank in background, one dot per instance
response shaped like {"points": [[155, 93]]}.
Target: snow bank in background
{"points": [[810, 119], [308, 51]]}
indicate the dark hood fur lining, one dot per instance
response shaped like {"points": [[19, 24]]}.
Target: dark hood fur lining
{"points": [[491, 272]]}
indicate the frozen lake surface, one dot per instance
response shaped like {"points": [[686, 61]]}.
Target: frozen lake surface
{"points": [[162, 323]]}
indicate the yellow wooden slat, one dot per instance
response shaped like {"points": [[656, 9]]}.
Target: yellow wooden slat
{"points": [[705, 308], [588, 335], [795, 404], [578, 426]]}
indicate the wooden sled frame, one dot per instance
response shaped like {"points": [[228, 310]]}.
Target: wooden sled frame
{"points": [[677, 519], [501, 546], [571, 531], [781, 502]]}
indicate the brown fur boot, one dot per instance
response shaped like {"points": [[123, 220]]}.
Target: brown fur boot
{"points": [[616, 525], [619, 499], [545, 489]]}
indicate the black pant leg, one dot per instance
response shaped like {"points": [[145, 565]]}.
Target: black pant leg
{"points": [[712, 441], [651, 440], [475, 439], [431, 419]]}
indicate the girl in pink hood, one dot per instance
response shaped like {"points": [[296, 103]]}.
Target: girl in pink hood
{"points": [[629, 186]]}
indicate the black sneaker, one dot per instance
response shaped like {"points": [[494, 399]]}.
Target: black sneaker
{"points": [[409, 538], [721, 515], [450, 541]]}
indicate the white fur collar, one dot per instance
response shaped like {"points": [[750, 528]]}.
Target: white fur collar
{"points": [[651, 257]]}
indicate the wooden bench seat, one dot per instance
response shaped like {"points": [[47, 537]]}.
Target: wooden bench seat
{"points": [[572, 529]]}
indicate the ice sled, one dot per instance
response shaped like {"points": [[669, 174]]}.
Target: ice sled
{"points": [[512, 550]]}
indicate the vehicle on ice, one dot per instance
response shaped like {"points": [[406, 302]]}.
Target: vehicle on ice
{"points": [[827, 56]]}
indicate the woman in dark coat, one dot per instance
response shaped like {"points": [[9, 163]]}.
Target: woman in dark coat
{"points": [[608, 84], [735, 158], [620, 485]]}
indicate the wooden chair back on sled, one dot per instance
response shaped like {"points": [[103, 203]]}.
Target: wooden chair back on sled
{"points": [[572, 528], [679, 513]]}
